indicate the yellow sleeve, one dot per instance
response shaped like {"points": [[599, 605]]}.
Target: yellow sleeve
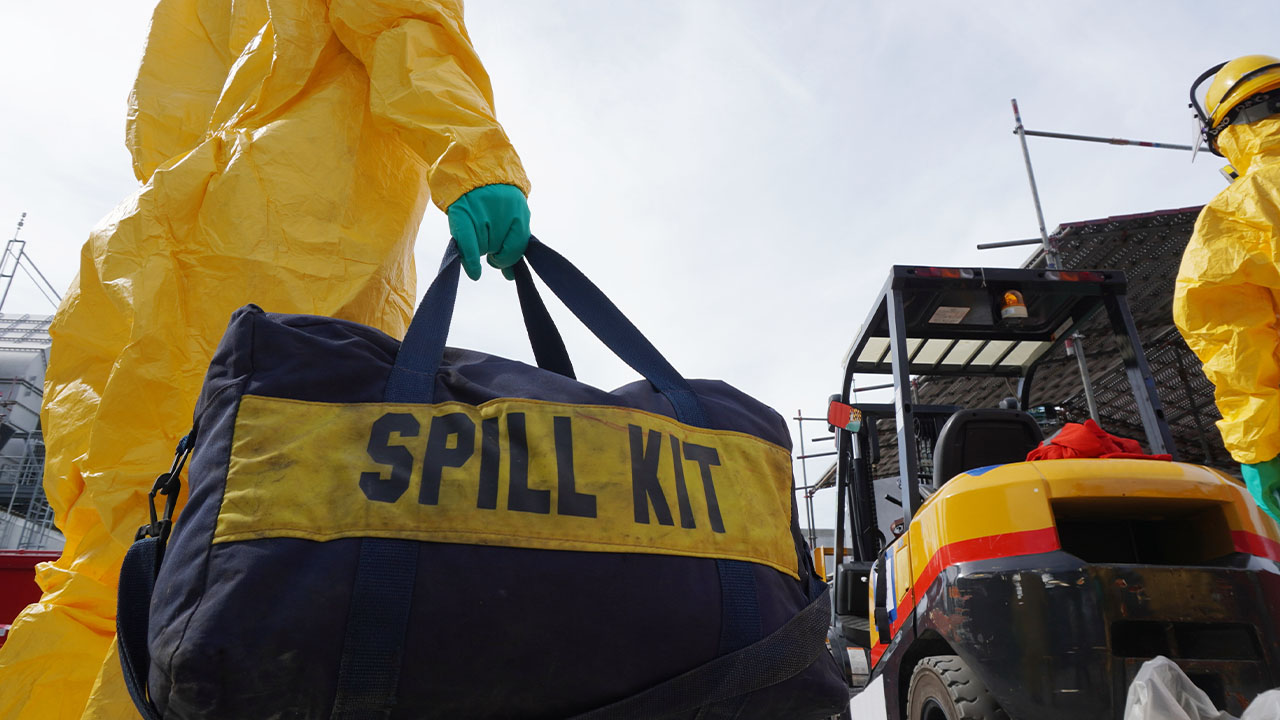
{"points": [[1224, 305], [426, 80], [185, 64]]}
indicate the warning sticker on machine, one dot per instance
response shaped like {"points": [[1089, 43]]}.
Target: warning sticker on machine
{"points": [[945, 315]]}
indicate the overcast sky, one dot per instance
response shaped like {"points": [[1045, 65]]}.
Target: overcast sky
{"points": [[738, 177]]}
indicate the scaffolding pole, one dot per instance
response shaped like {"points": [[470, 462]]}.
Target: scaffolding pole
{"points": [[1074, 344], [1108, 141], [804, 473], [1050, 254], [15, 258]]}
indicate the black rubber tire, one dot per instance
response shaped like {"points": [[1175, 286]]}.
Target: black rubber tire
{"points": [[944, 688]]}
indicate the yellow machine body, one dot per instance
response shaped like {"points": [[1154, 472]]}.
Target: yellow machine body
{"points": [[1011, 510]]}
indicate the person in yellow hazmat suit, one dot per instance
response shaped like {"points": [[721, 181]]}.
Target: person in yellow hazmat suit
{"points": [[287, 150], [1227, 297]]}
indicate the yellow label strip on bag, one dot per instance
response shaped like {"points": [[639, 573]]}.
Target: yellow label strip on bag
{"points": [[602, 479]]}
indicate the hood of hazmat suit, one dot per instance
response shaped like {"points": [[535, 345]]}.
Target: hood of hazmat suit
{"points": [[286, 151], [1228, 290]]}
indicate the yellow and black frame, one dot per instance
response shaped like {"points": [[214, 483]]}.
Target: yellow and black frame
{"points": [[1044, 585]]}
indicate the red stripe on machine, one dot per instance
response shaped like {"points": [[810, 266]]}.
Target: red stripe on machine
{"points": [[991, 547], [877, 652], [1247, 542], [906, 604]]}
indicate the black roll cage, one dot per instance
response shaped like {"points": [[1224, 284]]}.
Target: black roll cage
{"points": [[908, 307]]}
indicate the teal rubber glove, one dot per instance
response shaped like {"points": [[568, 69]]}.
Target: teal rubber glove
{"points": [[1263, 481], [492, 220]]}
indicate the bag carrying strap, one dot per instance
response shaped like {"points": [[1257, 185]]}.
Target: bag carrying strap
{"points": [[782, 655], [133, 611], [740, 612], [373, 645], [422, 351], [138, 575], [611, 327], [544, 337]]}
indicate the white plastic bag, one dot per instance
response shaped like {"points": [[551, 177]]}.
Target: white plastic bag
{"points": [[1264, 707], [1161, 691]]}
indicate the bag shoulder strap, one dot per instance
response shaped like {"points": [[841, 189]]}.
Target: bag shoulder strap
{"points": [[133, 611]]}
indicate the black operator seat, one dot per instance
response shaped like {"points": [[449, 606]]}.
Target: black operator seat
{"points": [[978, 438]]}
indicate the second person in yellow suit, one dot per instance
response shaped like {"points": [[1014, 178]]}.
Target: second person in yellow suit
{"points": [[1227, 297], [286, 151]]}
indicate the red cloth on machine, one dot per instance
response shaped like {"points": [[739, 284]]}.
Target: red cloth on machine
{"points": [[1089, 441]]}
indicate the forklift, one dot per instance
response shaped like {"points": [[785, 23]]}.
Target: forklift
{"points": [[980, 585]]}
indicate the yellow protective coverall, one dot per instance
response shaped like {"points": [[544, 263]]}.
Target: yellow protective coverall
{"points": [[1228, 290], [286, 148]]}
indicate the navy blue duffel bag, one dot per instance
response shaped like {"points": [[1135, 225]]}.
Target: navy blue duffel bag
{"points": [[378, 529]]}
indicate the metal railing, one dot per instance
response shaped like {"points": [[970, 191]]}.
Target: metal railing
{"points": [[27, 520]]}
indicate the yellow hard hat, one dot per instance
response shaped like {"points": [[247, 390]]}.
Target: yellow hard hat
{"points": [[1241, 92]]}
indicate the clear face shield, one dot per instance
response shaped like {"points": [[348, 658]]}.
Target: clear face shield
{"points": [[1256, 106], [1204, 135]]}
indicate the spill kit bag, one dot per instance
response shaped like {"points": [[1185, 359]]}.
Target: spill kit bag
{"points": [[379, 529]]}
